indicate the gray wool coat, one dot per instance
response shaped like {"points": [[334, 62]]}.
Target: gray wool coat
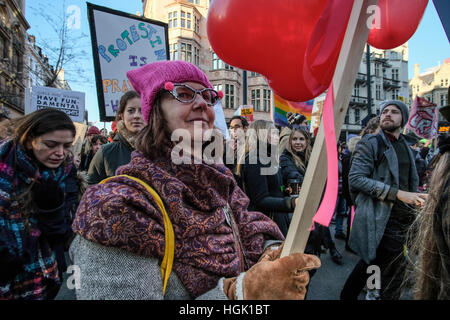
{"points": [[376, 188]]}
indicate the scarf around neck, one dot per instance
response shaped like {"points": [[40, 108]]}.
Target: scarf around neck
{"points": [[126, 134], [19, 237], [122, 214]]}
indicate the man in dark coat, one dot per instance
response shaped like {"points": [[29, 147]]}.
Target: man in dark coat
{"points": [[383, 178]]}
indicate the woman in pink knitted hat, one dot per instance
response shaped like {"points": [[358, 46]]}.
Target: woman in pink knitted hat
{"points": [[220, 249]]}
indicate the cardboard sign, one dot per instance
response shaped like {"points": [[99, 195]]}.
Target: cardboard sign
{"points": [[71, 102], [122, 42], [81, 130], [219, 121], [247, 112]]}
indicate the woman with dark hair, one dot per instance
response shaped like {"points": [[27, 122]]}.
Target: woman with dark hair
{"points": [[118, 153], [96, 142], [160, 215], [34, 205]]}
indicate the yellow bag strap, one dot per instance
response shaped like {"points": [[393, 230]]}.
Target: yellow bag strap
{"points": [[166, 265]]}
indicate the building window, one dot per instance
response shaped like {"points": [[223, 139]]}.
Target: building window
{"points": [[182, 19], [394, 74], [254, 74], [266, 99], [446, 82], [173, 19], [197, 25], [185, 19], [443, 99], [395, 94], [229, 96], [196, 56], [347, 117], [356, 90], [378, 92], [377, 69], [173, 51], [188, 20], [256, 102], [217, 87], [357, 116], [216, 62], [186, 52], [194, 1], [442, 82]]}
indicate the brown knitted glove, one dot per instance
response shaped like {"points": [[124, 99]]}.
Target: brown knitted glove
{"points": [[282, 279]]}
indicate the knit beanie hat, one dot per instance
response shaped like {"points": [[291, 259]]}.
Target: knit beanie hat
{"points": [[93, 130], [150, 79], [403, 108]]}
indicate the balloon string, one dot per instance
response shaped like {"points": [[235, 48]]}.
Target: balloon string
{"points": [[327, 206]]}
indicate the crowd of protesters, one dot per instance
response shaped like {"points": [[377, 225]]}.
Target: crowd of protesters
{"points": [[140, 225]]}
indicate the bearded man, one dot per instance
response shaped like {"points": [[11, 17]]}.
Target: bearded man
{"points": [[383, 180]]}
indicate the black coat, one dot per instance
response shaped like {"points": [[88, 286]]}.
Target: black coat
{"points": [[108, 158], [346, 162], [289, 169], [266, 195]]}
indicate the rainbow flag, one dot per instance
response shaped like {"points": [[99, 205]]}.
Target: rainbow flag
{"points": [[282, 106]]}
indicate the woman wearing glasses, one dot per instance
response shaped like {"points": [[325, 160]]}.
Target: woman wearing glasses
{"points": [[220, 250]]}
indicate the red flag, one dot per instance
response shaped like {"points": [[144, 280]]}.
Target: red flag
{"points": [[423, 119]]}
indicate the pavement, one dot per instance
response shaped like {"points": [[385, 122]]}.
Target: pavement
{"points": [[328, 281]]}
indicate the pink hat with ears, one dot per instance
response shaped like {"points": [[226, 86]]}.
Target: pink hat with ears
{"points": [[151, 78]]}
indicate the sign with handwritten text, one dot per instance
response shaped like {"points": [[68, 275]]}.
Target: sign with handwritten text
{"points": [[423, 119], [247, 112], [121, 42]]}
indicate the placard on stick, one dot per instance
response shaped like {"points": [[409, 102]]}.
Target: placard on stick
{"points": [[122, 42]]}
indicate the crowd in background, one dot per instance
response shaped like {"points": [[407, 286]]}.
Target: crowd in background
{"points": [[46, 204]]}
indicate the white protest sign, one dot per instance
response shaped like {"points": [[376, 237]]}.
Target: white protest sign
{"points": [[71, 102], [122, 42]]}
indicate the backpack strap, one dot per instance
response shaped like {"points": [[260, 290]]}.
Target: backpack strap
{"points": [[169, 252], [380, 150]]}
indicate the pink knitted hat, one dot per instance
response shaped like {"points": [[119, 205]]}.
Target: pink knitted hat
{"points": [[150, 79]]}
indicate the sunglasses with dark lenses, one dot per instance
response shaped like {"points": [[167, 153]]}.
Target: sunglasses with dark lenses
{"points": [[186, 94]]}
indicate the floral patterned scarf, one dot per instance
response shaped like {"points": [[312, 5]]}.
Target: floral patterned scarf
{"points": [[121, 213]]}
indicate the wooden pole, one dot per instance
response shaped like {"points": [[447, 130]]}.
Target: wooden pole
{"points": [[343, 81]]}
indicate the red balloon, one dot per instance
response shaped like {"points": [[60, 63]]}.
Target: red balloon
{"points": [[295, 44], [398, 21]]}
